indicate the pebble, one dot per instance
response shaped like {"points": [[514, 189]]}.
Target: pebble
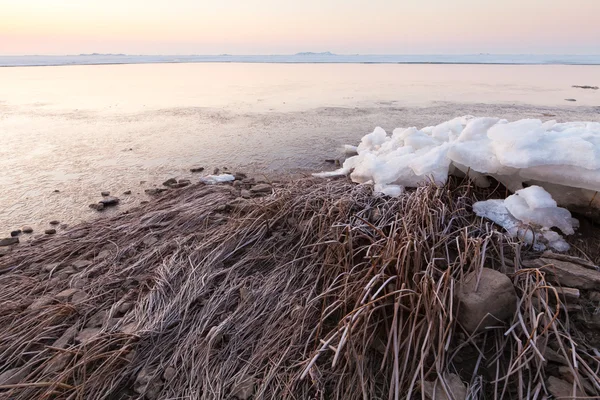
{"points": [[105, 194], [261, 188], [9, 241], [15, 233], [170, 182], [50, 231], [127, 192], [54, 222], [27, 229], [197, 169], [56, 191], [97, 206], [240, 175], [110, 201], [144, 202]]}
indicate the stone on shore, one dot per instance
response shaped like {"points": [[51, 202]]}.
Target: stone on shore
{"points": [[9, 241], [110, 201], [97, 206], [155, 191], [54, 222], [105, 194], [169, 182], [127, 192], [197, 169], [261, 188], [27, 229], [50, 231], [15, 233], [486, 303]]}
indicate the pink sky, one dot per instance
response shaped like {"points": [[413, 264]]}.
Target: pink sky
{"points": [[285, 27]]}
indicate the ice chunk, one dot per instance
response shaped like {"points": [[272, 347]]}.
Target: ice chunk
{"points": [[213, 179]]}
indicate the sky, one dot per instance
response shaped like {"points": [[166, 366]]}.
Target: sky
{"points": [[60, 27]]}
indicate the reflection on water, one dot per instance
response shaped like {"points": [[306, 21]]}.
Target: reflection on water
{"points": [[84, 129]]}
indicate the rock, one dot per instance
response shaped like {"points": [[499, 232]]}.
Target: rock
{"points": [[97, 319], [129, 329], [124, 307], [239, 176], [435, 390], [566, 273], [9, 241], [561, 389], [184, 182], [149, 241], [147, 384], [66, 294], [50, 231], [87, 334], [103, 254], [105, 194], [13, 376], [27, 229], [261, 188], [155, 191], [58, 363], [51, 267], [65, 338], [15, 233], [56, 191], [54, 222], [170, 182], [79, 283], [248, 181], [127, 192], [144, 202], [78, 296], [109, 201], [97, 206], [68, 271], [216, 171], [40, 302], [245, 194], [486, 303], [81, 264], [197, 169], [4, 251], [169, 373], [244, 389], [570, 100]]}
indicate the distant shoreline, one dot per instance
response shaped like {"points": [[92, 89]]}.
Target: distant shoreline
{"points": [[303, 58]]}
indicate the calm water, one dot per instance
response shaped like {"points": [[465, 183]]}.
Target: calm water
{"points": [[83, 129]]}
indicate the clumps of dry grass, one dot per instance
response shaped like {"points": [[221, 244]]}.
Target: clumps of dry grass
{"points": [[322, 290]]}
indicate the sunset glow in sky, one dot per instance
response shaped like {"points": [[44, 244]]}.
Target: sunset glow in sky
{"points": [[290, 26]]}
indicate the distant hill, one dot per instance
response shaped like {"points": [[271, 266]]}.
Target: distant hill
{"points": [[309, 53]]}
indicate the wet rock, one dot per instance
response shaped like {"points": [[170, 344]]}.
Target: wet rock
{"points": [[54, 222], [81, 264], [110, 201], [87, 334], [15, 233], [27, 229], [485, 303], [196, 169], [105, 194], [50, 231], [65, 338], [14, 376], [155, 191], [97, 206], [567, 273], [261, 188], [170, 182], [127, 192], [456, 387], [9, 241]]}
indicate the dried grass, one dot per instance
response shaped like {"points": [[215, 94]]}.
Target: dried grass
{"points": [[319, 291]]}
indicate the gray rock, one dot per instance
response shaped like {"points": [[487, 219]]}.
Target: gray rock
{"points": [[97, 206], [170, 182], [9, 241], [262, 188], [15, 233], [54, 222], [50, 231], [567, 273], [27, 229], [197, 169], [110, 201], [105, 194], [485, 303], [124, 307], [127, 192], [245, 194], [561, 389], [13, 376], [240, 176]]}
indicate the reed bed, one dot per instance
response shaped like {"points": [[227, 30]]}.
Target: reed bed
{"points": [[321, 290]]}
